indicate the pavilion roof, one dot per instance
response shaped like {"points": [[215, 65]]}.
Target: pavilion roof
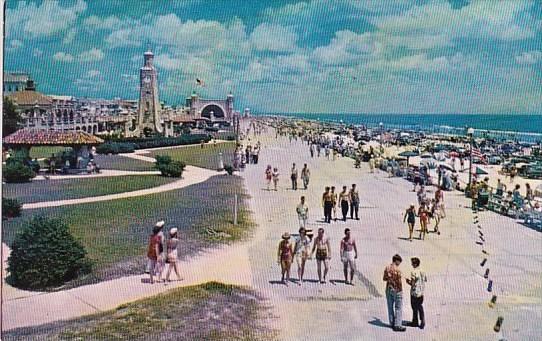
{"points": [[27, 98], [41, 137]]}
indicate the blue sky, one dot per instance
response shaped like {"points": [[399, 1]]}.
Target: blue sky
{"points": [[374, 56]]}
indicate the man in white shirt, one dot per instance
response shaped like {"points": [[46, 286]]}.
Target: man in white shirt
{"points": [[417, 285]]}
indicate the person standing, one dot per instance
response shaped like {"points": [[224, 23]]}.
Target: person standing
{"points": [[349, 254], [285, 255], [334, 202], [423, 213], [275, 177], [501, 188], [268, 176], [302, 213], [439, 198], [301, 253], [327, 203], [311, 149], [394, 293], [417, 285], [323, 254], [344, 199], [293, 177], [153, 252], [354, 202], [410, 217], [172, 254], [305, 176]]}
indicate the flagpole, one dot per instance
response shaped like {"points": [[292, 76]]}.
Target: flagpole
{"points": [[470, 133]]}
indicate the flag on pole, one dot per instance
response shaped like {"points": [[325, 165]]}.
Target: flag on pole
{"points": [[478, 154], [200, 82]]}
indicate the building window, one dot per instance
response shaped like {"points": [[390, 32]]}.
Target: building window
{"points": [[16, 88]]}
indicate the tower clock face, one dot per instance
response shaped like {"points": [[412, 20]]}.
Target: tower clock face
{"points": [[147, 79]]}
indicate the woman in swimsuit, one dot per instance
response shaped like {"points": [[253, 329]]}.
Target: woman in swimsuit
{"points": [[424, 219], [411, 215], [268, 177], [323, 254], [301, 253], [285, 255]]}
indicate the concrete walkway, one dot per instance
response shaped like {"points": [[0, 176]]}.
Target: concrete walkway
{"points": [[103, 173], [456, 295], [192, 175]]}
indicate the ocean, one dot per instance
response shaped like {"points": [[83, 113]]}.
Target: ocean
{"points": [[521, 127]]}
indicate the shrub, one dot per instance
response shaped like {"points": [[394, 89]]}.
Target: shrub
{"points": [[11, 208], [155, 142], [229, 169], [116, 148], [169, 167], [45, 255], [17, 172]]}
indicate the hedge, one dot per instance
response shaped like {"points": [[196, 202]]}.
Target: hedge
{"points": [[11, 208], [144, 143], [45, 255], [17, 172]]}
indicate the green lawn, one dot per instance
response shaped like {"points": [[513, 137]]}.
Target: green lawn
{"points": [[206, 157], [37, 191], [115, 233], [45, 151], [210, 311], [119, 162]]}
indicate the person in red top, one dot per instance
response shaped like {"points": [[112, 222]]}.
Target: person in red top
{"points": [[394, 293], [153, 251], [423, 213]]}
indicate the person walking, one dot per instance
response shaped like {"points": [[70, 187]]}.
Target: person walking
{"points": [[354, 202], [323, 254], [327, 203], [423, 213], [334, 202], [293, 177], [436, 213], [410, 217], [268, 177], [311, 149], [301, 253], [172, 254], [417, 285], [305, 176], [302, 213], [275, 175], [285, 255], [154, 252], [349, 254], [344, 200], [394, 293]]}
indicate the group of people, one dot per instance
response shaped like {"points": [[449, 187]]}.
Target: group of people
{"points": [[162, 251], [428, 209], [248, 155], [394, 293], [272, 177], [300, 251], [347, 200]]}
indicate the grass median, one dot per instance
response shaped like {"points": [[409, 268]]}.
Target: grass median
{"points": [[206, 157]]}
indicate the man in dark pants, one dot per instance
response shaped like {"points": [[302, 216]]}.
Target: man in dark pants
{"points": [[417, 284], [344, 199], [354, 202], [327, 203]]}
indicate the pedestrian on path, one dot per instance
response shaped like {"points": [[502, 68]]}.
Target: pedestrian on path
{"points": [[349, 254], [268, 176], [172, 254], [293, 177], [275, 177], [334, 201], [410, 217], [301, 253], [305, 176], [302, 213], [323, 254], [423, 213], [285, 255], [394, 293], [354, 202], [311, 149], [327, 203], [154, 252], [344, 199], [417, 285], [436, 214]]}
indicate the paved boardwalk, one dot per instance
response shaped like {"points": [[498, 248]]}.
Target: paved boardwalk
{"points": [[456, 297]]}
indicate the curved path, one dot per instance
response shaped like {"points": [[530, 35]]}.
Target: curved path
{"points": [[103, 173], [191, 175]]}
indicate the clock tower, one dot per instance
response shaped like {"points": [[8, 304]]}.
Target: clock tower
{"points": [[149, 105]]}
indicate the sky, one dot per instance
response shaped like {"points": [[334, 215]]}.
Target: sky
{"points": [[319, 56]]}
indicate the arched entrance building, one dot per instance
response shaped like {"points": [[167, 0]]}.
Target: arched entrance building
{"points": [[212, 109]]}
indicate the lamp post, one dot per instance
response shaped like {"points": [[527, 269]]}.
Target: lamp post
{"points": [[470, 134]]}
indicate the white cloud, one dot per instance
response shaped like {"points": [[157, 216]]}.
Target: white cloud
{"points": [[93, 73], [15, 44], [70, 36], [272, 37], [164, 61], [346, 47], [44, 20], [96, 23], [529, 57], [91, 55], [125, 37], [37, 52], [63, 57]]}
